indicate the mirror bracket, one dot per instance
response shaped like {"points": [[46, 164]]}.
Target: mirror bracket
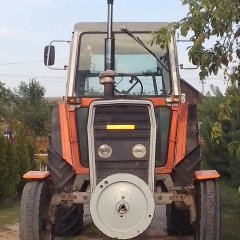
{"points": [[49, 55]]}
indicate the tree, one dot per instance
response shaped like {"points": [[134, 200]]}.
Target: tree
{"points": [[208, 114], [9, 169], [223, 155], [33, 109], [6, 101], [23, 155], [32, 150], [213, 27], [206, 20]]}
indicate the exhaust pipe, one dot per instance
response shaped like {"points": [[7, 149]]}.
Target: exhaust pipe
{"points": [[107, 77]]}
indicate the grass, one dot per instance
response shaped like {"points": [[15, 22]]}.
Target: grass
{"points": [[230, 213], [9, 213]]}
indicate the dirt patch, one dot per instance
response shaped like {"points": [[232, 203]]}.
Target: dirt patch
{"points": [[10, 232]]}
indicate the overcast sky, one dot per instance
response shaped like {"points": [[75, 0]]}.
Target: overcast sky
{"points": [[26, 26]]}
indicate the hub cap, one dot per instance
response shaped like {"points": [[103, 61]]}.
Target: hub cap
{"points": [[122, 206]]}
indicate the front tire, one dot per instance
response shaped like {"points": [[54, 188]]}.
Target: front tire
{"points": [[208, 211], [34, 219]]}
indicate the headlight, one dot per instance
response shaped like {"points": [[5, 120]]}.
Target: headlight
{"points": [[139, 151], [104, 151]]}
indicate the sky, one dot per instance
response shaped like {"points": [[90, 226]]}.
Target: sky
{"points": [[26, 26]]}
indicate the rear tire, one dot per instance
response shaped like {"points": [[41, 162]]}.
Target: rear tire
{"points": [[208, 211], [34, 219], [69, 220]]}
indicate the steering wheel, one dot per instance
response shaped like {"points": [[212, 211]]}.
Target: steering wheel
{"points": [[137, 81]]}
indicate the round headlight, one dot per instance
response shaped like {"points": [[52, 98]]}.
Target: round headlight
{"points": [[139, 151], [104, 151]]}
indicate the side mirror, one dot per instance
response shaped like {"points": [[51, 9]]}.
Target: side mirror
{"points": [[49, 55]]}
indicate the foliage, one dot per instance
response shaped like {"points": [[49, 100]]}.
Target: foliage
{"points": [[213, 27], [206, 20], [26, 112], [6, 97], [32, 109], [221, 154], [32, 150], [9, 169], [23, 155], [208, 111]]}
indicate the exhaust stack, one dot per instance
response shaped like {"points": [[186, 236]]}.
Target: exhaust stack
{"points": [[107, 77]]}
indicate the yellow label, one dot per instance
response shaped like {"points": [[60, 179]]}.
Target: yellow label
{"points": [[120, 127]]}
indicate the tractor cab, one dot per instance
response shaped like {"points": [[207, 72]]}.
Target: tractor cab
{"points": [[141, 70], [140, 73]]}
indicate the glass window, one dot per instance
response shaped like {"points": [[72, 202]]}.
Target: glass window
{"points": [[163, 118], [139, 72]]}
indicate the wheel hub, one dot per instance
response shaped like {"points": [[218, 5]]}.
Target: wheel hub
{"points": [[122, 206]]}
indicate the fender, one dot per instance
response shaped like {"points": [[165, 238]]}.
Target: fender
{"points": [[36, 175], [206, 174]]}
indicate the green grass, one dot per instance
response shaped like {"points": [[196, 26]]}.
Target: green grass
{"points": [[230, 211], [9, 213]]}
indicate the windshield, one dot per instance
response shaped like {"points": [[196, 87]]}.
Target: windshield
{"points": [[139, 72]]}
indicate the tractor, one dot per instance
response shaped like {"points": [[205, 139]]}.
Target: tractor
{"points": [[123, 141]]}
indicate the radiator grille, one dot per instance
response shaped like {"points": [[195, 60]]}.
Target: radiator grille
{"points": [[121, 141]]}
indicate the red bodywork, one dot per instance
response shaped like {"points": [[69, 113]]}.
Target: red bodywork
{"points": [[176, 142]]}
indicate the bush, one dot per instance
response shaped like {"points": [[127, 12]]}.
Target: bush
{"points": [[23, 156], [9, 169]]}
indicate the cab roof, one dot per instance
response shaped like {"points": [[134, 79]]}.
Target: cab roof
{"points": [[131, 26]]}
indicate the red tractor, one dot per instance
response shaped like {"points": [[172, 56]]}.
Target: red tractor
{"points": [[124, 141]]}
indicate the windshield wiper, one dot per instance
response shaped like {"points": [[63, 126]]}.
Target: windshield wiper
{"points": [[139, 41]]}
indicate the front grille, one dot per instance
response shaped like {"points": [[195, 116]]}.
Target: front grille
{"points": [[121, 141]]}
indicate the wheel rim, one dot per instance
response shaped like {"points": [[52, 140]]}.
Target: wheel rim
{"points": [[122, 206]]}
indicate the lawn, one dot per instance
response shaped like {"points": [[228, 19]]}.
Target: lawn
{"points": [[9, 214], [230, 211]]}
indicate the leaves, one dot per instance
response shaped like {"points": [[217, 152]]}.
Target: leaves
{"points": [[9, 170], [234, 148], [216, 132], [32, 109], [220, 131], [214, 20], [163, 35]]}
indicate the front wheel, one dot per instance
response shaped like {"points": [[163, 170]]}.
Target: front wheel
{"points": [[208, 211], [34, 212]]}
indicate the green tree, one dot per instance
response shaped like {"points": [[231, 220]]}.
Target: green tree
{"points": [[9, 169], [223, 155], [216, 20], [6, 102], [208, 115], [32, 150], [23, 155], [32, 108], [213, 27]]}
